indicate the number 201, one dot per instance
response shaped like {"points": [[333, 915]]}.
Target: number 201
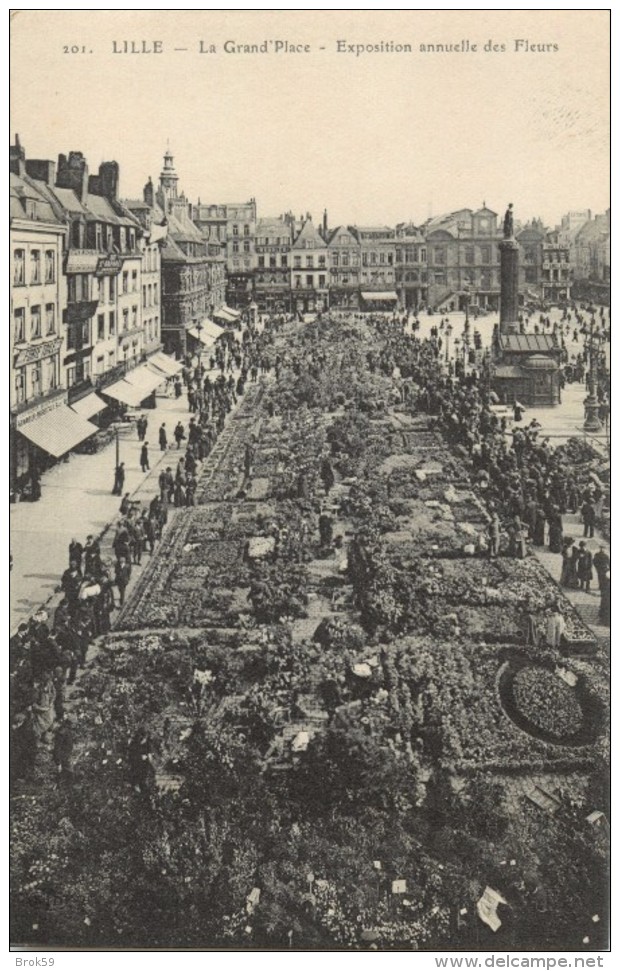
{"points": [[74, 49]]}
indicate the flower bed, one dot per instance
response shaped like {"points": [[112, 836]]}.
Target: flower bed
{"points": [[547, 703]]}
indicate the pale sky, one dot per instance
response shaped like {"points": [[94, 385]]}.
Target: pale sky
{"points": [[379, 138]]}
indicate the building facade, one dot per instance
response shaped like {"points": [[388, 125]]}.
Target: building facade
{"points": [[309, 271], [35, 333], [378, 274], [344, 257], [411, 267], [463, 260], [272, 281], [185, 265]]}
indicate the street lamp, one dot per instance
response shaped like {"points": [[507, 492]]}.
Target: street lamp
{"points": [[592, 421]]}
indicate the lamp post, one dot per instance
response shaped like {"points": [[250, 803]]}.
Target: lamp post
{"points": [[592, 421]]}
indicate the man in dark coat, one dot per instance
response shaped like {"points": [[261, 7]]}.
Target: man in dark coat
{"points": [[119, 480], [75, 552], [122, 574], [144, 457], [584, 567], [588, 515], [163, 437]]}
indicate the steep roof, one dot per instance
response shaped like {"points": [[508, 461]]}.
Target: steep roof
{"points": [[26, 201], [309, 237]]}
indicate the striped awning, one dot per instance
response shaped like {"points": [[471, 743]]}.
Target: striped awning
{"points": [[167, 365], [145, 378], [58, 431], [126, 393], [91, 404]]}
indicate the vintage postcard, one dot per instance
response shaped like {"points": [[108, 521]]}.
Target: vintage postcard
{"points": [[310, 374]]}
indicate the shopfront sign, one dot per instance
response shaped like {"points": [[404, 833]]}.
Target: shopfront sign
{"points": [[109, 265], [37, 352], [40, 408]]}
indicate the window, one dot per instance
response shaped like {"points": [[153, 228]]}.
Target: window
{"points": [[235, 230], [309, 280], [297, 281], [422, 254], [125, 282], [112, 322], [469, 255], [125, 319], [35, 377], [381, 257], [246, 230], [309, 262], [297, 262], [440, 254], [112, 288], [50, 319], [272, 262], [51, 376], [20, 385], [364, 259], [19, 267], [155, 294], [322, 280], [134, 317], [122, 239], [144, 303], [86, 370], [261, 262], [336, 259], [321, 261], [35, 266], [284, 260], [19, 318], [98, 236], [50, 266], [235, 247], [35, 323], [134, 281], [101, 327], [246, 246], [486, 254], [373, 258]]}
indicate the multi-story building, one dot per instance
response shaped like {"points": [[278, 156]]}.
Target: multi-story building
{"points": [[344, 257], [309, 271], [556, 269], [185, 265], [463, 259], [378, 274], [272, 281], [410, 267], [151, 242], [240, 256], [38, 399]]}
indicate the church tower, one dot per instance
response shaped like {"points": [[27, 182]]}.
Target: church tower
{"points": [[168, 179]]}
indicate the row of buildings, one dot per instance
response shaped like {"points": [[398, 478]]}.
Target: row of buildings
{"points": [[105, 294], [291, 264], [106, 291]]}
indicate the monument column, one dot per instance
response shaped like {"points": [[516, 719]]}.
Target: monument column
{"points": [[509, 278]]}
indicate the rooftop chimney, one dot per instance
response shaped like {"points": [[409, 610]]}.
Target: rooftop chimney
{"points": [[73, 174], [41, 169], [17, 157], [148, 193]]}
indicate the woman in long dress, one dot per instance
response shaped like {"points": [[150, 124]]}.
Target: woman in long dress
{"points": [[43, 712]]}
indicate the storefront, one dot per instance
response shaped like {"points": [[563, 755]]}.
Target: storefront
{"points": [[379, 300], [43, 433]]}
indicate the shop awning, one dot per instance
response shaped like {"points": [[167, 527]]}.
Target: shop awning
{"points": [[208, 332], [145, 378], [164, 363], [126, 393], [380, 296], [227, 314], [91, 404], [58, 431]]}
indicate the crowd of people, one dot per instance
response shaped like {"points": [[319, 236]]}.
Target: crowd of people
{"points": [[528, 487], [47, 652]]}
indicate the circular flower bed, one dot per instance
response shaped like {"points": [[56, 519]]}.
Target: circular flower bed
{"points": [[547, 703]]}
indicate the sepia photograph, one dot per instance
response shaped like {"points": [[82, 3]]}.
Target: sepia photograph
{"points": [[309, 482]]}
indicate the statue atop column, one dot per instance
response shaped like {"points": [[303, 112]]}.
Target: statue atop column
{"points": [[508, 223]]}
